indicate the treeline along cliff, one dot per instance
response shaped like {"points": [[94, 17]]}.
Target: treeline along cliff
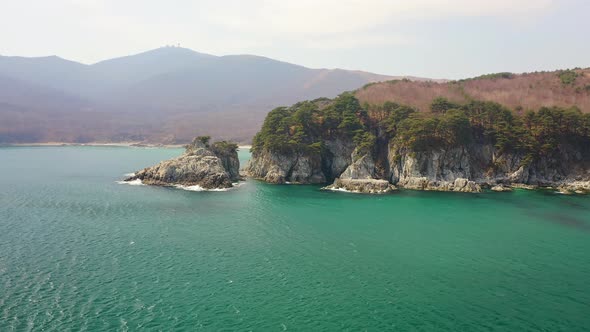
{"points": [[450, 146]]}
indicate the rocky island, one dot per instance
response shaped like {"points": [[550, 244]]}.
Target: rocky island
{"points": [[450, 147], [207, 166]]}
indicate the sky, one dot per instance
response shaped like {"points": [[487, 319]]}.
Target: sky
{"points": [[428, 38]]}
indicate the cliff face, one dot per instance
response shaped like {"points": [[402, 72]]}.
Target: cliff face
{"points": [[277, 167], [283, 168], [200, 165], [464, 169], [468, 168], [455, 169], [361, 176]]}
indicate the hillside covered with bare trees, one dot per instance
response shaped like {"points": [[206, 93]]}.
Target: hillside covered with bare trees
{"points": [[519, 92]]}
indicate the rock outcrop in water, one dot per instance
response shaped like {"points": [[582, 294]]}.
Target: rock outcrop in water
{"points": [[461, 150], [214, 166]]}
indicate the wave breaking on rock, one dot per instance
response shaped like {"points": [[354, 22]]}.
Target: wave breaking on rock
{"points": [[202, 167]]}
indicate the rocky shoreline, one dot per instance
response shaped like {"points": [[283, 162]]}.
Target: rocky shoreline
{"points": [[344, 167], [470, 169], [454, 171]]}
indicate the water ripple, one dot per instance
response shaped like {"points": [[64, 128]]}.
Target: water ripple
{"points": [[84, 253]]}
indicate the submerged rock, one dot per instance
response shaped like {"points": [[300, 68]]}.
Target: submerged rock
{"points": [[500, 188], [425, 183], [213, 166], [576, 187], [523, 186]]}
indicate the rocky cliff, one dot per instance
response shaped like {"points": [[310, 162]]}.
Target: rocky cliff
{"points": [[209, 167], [461, 169], [361, 176], [479, 146], [469, 168], [302, 167]]}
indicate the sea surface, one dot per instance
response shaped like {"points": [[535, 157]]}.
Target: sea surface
{"points": [[80, 252]]}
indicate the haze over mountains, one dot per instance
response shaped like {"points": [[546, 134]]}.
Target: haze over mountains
{"points": [[171, 94], [167, 95]]}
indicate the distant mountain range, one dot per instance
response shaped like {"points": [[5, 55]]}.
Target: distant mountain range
{"points": [[166, 95], [170, 95]]}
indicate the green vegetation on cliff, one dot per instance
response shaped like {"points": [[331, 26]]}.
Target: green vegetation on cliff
{"points": [[220, 148], [494, 76], [535, 133], [224, 147], [567, 77], [304, 126]]}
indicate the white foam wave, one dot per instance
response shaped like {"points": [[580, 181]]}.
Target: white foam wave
{"points": [[136, 182], [198, 188], [129, 174], [341, 190]]}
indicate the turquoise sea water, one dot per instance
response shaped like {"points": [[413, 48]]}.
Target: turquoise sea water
{"points": [[80, 252]]}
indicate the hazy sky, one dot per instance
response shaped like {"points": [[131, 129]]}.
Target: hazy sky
{"points": [[431, 38]]}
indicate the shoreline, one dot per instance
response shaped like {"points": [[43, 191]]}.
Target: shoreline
{"points": [[120, 144], [98, 144]]}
